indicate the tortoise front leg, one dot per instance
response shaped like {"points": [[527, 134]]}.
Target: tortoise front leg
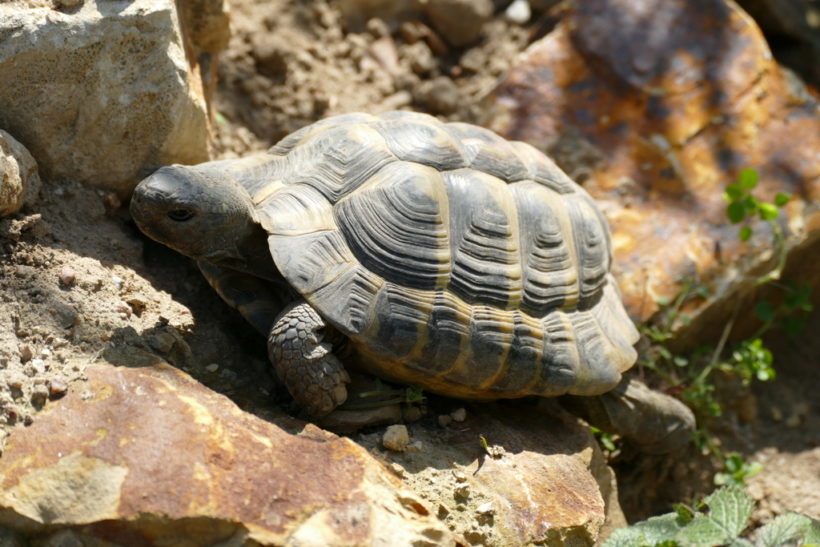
{"points": [[313, 375], [258, 300]]}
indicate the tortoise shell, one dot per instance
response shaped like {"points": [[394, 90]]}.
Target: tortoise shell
{"points": [[451, 258]]}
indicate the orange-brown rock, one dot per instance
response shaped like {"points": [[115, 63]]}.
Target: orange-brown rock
{"points": [[537, 478], [147, 456], [656, 105]]}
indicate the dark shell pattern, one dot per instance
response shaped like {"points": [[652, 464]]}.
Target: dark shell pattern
{"points": [[451, 257]]}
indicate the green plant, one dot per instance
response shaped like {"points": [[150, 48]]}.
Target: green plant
{"points": [[737, 470], [606, 440], [743, 207], [729, 509]]}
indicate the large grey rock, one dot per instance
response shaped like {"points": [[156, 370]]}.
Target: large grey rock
{"points": [[19, 180], [101, 91]]}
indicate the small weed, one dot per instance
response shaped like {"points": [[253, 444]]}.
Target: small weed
{"points": [[742, 207], [737, 470]]}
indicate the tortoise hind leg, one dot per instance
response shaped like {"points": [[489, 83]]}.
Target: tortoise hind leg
{"points": [[657, 423], [304, 363]]}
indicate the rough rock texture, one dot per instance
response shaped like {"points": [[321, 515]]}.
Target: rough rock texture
{"points": [[539, 479], [655, 114], [793, 29], [19, 180], [460, 22], [101, 91], [142, 456]]}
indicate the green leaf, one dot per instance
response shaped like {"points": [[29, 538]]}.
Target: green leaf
{"points": [[661, 529], [764, 310], [747, 179], [736, 212], [788, 528], [729, 510], [733, 192], [767, 211], [782, 199], [745, 233]]}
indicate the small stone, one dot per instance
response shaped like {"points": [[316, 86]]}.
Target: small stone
{"points": [[485, 508], [460, 22], [415, 446], [123, 309], [25, 353], [161, 341], [15, 381], [440, 95], [57, 387], [38, 366], [459, 476], [444, 420], [66, 315], [459, 414], [67, 277], [462, 491], [39, 394], [411, 413], [397, 469], [396, 438], [518, 12], [117, 282], [777, 414], [213, 367]]}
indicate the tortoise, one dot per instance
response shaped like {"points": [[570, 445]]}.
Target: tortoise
{"points": [[446, 256]]}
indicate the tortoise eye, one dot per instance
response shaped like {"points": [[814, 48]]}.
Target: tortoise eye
{"points": [[180, 215]]}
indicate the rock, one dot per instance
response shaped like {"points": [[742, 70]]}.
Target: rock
{"points": [[459, 414], [546, 488], [356, 13], [104, 81], [19, 180], [675, 100], [147, 455], [518, 12], [459, 22], [396, 438], [440, 95], [798, 21]]}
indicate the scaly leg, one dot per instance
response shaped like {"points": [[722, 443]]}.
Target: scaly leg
{"points": [[313, 375]]}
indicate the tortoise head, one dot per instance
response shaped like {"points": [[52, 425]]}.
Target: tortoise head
{"points": [[199, 211]]}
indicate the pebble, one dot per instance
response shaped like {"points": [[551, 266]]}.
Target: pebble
{"points": [[485, 508], [415, 446], [25, 354], [460, 22], [459, 414], [397, 469], [39, 394], [117, 281], [38, 366], [396, 438], [459, 476], [411, 413], [67, 277], [518, 12], [444, 420], [213, 367], [57, 387], [462, 491]]}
